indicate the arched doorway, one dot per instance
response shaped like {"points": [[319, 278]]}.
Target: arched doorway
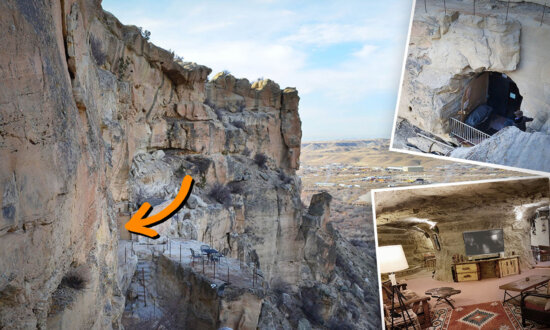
{"points": [[490, 101]]}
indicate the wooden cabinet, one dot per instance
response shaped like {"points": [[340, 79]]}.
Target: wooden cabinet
{"points": [[467, 272], [508, 267], [480, 269]]}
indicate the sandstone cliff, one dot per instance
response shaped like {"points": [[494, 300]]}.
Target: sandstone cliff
{"points": [[95, 120]]}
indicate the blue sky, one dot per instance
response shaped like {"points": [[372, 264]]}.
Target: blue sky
{"points": [[345, 60]]}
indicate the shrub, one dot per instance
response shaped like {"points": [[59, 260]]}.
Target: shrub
{"points": [[260, 160], [236, 187], [97, 52], [280, 286], [285, 179], [246, 152], [311, 305], [145, 33], [76, 279], [123, 64], [239, 124], [226, 72], [221, 194]]}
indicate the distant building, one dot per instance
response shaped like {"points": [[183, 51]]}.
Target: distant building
{"points": [[395, 168], [325, 184], [413, 168]]}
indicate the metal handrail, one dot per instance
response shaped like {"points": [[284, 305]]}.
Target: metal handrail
{"points": [[467, 132]]}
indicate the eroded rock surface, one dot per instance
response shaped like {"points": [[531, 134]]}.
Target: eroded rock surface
{"points": [[95, 120], [511, 147]]}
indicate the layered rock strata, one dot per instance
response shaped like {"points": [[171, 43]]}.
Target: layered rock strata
{"points": [[96, 120]]}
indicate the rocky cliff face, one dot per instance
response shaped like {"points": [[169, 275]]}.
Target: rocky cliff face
{"points": [[511, 147], [95, 120]]}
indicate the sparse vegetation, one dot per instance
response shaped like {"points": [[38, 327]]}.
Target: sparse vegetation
{"points": [[76, 279], [239, 124], [221, 194], [285, 179], [145, 33], [97, 51], [236, 187], [260, 160], [311, 305], [246, 152], [123, 64]]}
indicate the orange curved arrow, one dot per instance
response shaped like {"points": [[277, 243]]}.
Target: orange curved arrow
{"points": [[139, 222]]}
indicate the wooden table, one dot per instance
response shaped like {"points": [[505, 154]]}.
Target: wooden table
{"points": [[534, 282]]}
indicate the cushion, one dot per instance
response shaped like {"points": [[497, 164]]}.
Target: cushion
{"points": [[536, 303]]}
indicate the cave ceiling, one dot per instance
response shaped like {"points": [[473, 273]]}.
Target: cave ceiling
{"points": [[425, 207]]}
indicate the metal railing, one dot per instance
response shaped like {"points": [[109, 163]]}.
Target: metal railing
{"points": [[467, 132]]}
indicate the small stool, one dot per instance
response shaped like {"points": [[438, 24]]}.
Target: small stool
{"points": [[443, 293]]}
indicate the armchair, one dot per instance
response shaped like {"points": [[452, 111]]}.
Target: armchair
{"points": [[418, 304], [535, 306]]}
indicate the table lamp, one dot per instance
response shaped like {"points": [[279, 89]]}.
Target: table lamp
{"points": [[391, 259]]}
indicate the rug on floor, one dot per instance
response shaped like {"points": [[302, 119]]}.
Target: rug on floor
{"points": [[514, 312], [491, 315]]}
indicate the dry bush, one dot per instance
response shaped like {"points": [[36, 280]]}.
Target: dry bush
{"points": [[221, 194], [236, 187], [76, 278], [285, 179], [260, 160]]}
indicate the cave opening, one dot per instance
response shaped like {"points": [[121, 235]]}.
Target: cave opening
{"points": [[489, 102]]}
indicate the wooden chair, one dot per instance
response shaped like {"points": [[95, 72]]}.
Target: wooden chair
{"points": [[534, 306], [418, 304]]}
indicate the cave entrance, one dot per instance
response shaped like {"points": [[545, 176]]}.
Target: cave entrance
{"points": [[488, 104]]}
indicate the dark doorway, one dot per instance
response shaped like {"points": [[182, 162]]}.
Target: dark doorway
{"points": [[489, 102], [503, 95]]}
